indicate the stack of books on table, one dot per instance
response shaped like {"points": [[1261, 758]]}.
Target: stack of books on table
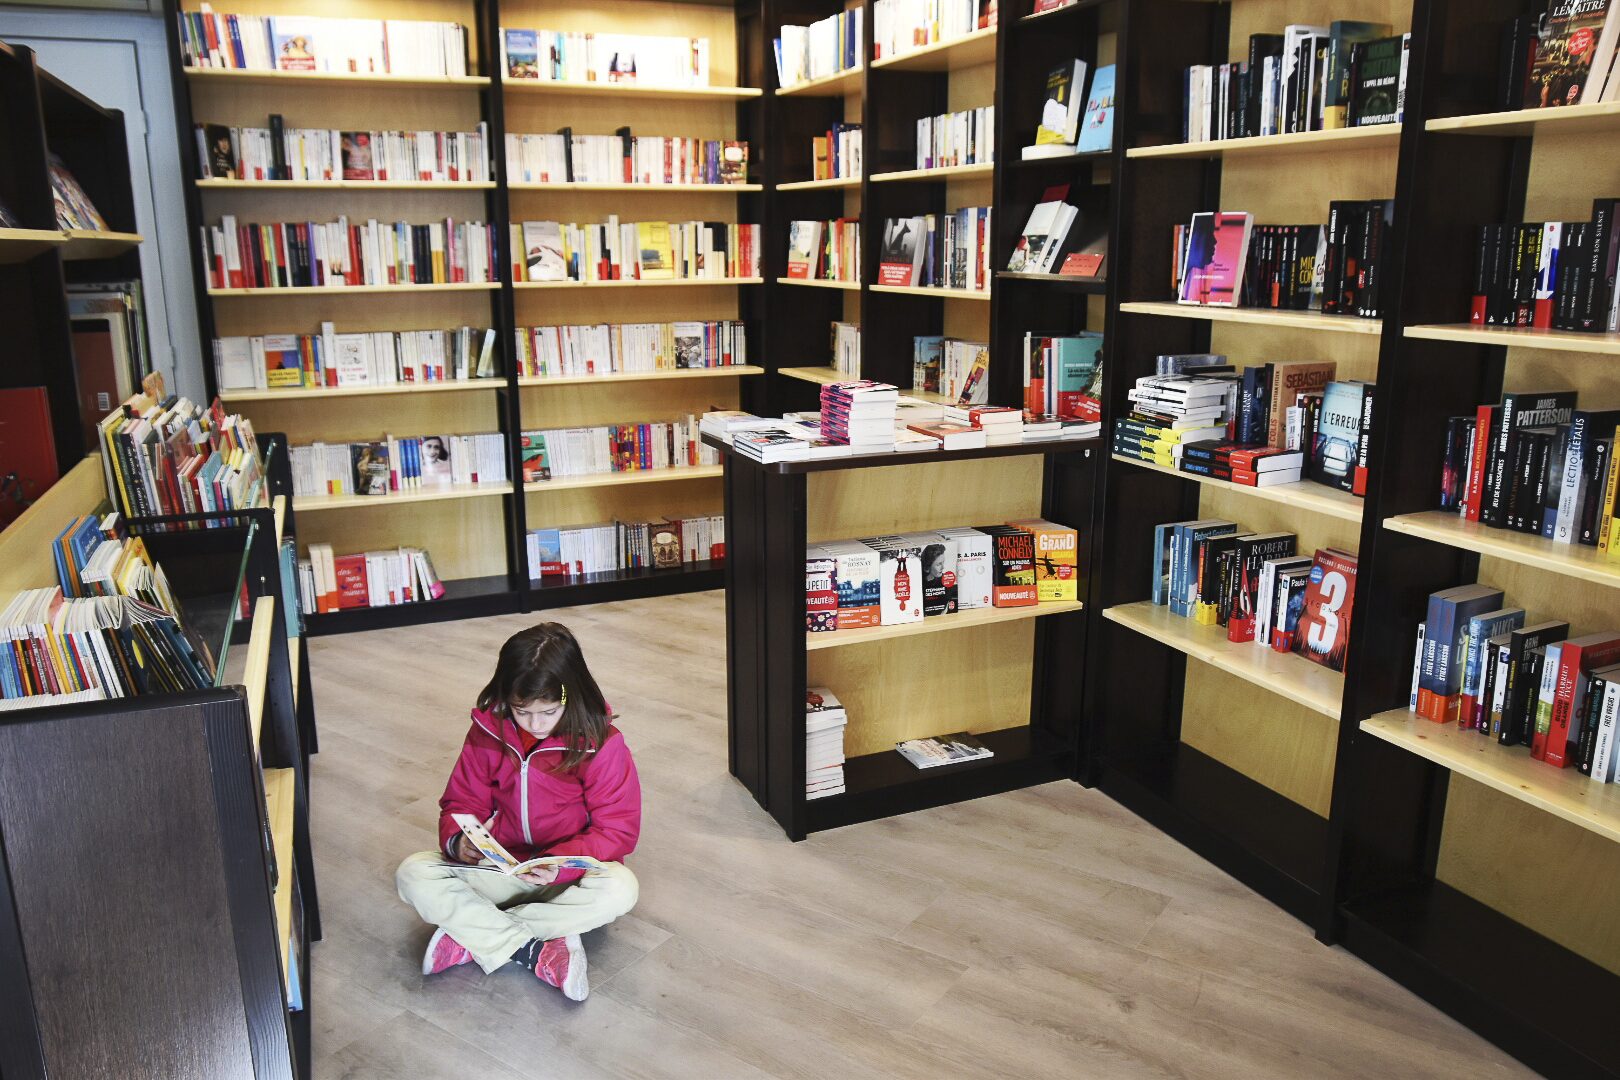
{"points": [[859, 414], [1045, 427], [772, 444], [824, 721], [1002, 425], [723, 424], [1169, 410]]}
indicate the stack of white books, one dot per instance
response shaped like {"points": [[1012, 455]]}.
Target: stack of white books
{"points": [[772, 444], [824, 722], [861, 414], [1001, 424]]}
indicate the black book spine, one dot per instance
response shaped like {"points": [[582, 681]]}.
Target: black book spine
{"points": [[1591, 713], [1496, 276], [1533, 484], [278, 149], [1530, 235], [1524, 722], [1591, 510], [567, 134], [1333, 272]]}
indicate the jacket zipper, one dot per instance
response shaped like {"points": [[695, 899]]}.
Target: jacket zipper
{"points": [[523, 781]]}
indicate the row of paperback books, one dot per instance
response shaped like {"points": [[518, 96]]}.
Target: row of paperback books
{"points": [[894, 580], [1257, 586], [620, 348], [825, 47], [639, 250], [611, 448], [898, 26], [1536, 464], [334, 254], [957, 138], [949, 251], [281, 153], [956, 369], [837, 154], [824, 250], [333, 360], [1479, 663], [176, 457], [1063, 375], [845, 349], [573, 550], [623, 158], [1559, 275], [1223, 259], [367, 579], [393, 464], [825, 719], [1560, 54], [1308, 78], [586, 57], [316, 44], [110, 626]]}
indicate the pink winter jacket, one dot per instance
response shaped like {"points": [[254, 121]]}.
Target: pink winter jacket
{"points": [[594, 810]]}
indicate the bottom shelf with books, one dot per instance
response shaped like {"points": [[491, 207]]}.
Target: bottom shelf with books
{"points": [[884, 784], [464, 598], [1269, 842], [1524, 992]]}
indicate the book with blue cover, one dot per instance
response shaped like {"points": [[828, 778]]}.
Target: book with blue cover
{"points": [[1097, 125]]}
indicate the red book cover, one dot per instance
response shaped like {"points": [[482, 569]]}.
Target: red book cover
{"points": [[351, 581], [1579, 656], [1323, 634], [1216, 252], [1485, 420]]}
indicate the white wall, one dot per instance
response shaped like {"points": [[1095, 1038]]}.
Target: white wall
{"points": [[121, 61]]}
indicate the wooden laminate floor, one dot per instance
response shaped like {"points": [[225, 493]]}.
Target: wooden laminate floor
{"points": [[1043, 933]]}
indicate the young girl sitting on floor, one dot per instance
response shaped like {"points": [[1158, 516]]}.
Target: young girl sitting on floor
{"points": [[548, 774]]}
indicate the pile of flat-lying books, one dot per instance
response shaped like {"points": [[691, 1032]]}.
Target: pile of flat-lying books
{"points": [[859, 414], [824, 721], [328, 582], [937, 750]]}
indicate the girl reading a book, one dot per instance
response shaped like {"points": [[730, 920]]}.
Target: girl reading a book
{"points": [[548, 775]]}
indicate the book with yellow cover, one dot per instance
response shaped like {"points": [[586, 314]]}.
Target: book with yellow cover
{"points": [[657, 257]]}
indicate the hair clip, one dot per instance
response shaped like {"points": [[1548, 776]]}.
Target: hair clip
{"points": [[563, 695]]}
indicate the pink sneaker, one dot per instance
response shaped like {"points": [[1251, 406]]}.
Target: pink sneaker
{"points": [[443, 953], [562, 964]]}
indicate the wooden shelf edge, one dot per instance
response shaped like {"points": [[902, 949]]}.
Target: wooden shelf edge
{"points": [[983, 168], [1299, 680], [821, 283], [1564, 793], [834, 85], [1570, 560], [280, 799], [256, 671], [574, 185], [632, 476], [256, 75], [724, 371], [358, 290], [1299, 140], [560, 86], [638, 283], [1303, 320], [312, 503], [344, 185], [961, 620], [328, 393], [817, 185], [1304, 495], [1517, 337], [933, 291], [964, 50], [1523, 121]]}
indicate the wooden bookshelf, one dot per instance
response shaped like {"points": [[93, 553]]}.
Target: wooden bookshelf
{"points": [[1570, 560], [280, 789], [339, 393], [1310, 684], [639, 189], [944, 172], [1599, 118], [1519, 337], [256, 670], [968, 50], [20, 245], [837, 84], [821, 185], [1296, 320], [620, 479], [820, 283], [356, 290], [1564, 793], [313, 503], [1338, 140], [729, 371], [1304, 495], [961, 620], [355, 80], [821, 376], [938, 292], [220, 184], [638, 283], [630, 90]]}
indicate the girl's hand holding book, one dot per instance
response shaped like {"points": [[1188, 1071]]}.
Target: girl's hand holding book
{"points": [[466, 851], [540, 875]]}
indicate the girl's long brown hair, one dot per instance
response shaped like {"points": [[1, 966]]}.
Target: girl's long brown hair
{"points": [[539, 664]]}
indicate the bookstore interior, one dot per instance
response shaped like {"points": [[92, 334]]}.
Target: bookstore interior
{"points": [[1218, 432]]}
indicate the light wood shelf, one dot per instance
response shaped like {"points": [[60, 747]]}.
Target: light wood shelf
{"points": [[1303, 495], [637, 283], [550, 86], [278, 509], [937, 291], [323, 393], [1301, 320], [648, 189], [961, 620], [1602, 116], [311, 503], [280, 786], [1346, 139], [818, 375], [983, 168], [97, 244], [633, 476], [820, 283], [838, 84], [1285, 674], [256, 669], [245, 76], [295, 660], [1453, 530], [355, 290], [1518, 337], [966, 50], [1510, 770], [220, 184], [819, 185], [728, 371], [16, 245]]}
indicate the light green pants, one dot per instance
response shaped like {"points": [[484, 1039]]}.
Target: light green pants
{"points": [[494, 915]]}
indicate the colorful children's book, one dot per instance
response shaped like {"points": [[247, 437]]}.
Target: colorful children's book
{"points": [[507, 863], [1097, 128]]}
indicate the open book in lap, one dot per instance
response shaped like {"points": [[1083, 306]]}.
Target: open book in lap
{"points": [[507, 863]]}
